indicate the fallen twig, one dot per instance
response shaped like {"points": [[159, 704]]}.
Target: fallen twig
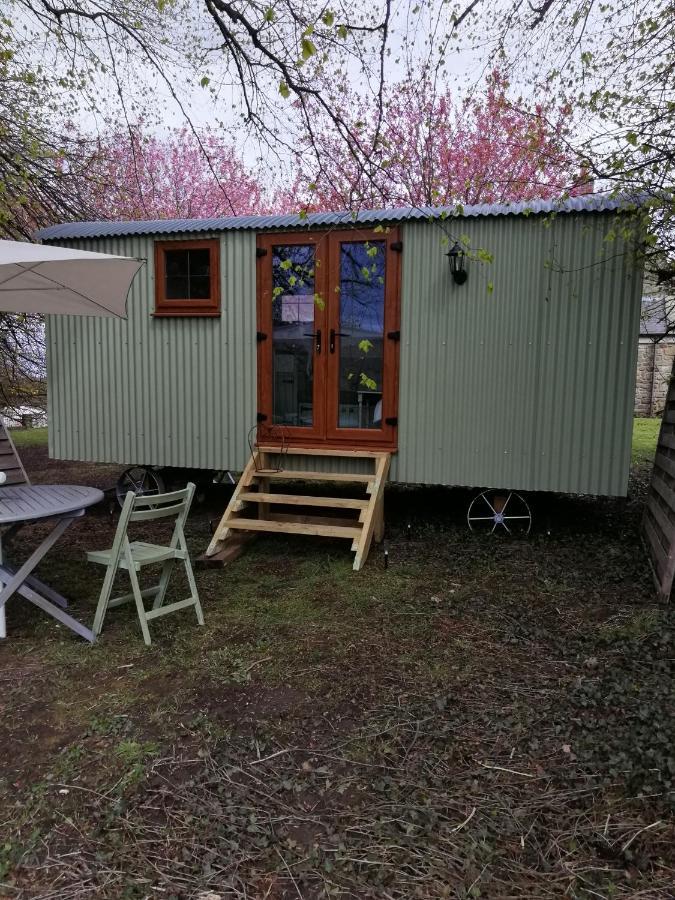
{"points": [[510, 771], [637, 833], [465, 822]]}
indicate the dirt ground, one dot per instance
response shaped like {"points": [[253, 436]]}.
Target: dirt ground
{"points": [[484, 717]]}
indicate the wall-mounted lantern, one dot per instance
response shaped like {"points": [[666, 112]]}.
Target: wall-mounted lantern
{"points": [[456, 256]]}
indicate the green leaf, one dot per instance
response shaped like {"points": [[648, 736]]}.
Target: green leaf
{"points": [[365, 345], [328, 18], [285, 264], [342, 32], [308, 48], [490, 287], [205, 81], [270, 15], [368, 382], [284, 90], [319, 301]]}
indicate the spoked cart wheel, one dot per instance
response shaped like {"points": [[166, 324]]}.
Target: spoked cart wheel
{"points": [[496, 511], [139, 479]]}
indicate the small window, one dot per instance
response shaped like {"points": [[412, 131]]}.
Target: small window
{"points": [[187, 278]]}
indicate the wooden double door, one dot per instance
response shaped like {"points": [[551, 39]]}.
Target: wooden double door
{"points": [[328, 337]]}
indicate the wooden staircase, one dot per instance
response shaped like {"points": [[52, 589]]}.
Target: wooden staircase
{"points": [[254, 505]]}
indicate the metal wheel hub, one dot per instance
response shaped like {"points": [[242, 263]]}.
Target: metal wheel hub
{"points": [[142, 480], [499, 511]]}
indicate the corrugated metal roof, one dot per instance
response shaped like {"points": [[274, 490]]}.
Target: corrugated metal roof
{"points": [[584, 203]]}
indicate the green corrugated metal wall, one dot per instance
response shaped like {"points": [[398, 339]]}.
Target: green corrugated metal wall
{"points": [[158, 391], [530, 385], [527, 386]]}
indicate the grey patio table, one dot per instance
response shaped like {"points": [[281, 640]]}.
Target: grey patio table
{"points": [[22, 504]]}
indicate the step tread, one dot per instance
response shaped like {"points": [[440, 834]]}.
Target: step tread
{"points": [[290, 474], [304, 500], [294, 527], [324, 451]]}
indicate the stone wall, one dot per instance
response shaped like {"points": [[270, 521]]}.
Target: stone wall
{"points": [[650, 400]]}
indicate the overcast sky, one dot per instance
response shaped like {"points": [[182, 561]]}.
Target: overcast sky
{"points": [[218, 105]]}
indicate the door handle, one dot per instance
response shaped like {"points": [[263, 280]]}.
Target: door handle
{"points": [[317, 338], [333, 335]]}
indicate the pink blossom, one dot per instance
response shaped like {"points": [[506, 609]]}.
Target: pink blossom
{"points": [[432, 152], [142, 176]]}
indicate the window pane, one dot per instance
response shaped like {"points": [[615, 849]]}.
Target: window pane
{"points": [[176, 263], [362, 268], [292, 335], [188, 274], [200, 262], [200, 287], [176, 288]]}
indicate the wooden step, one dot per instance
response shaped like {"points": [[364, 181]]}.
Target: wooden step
{"points": [[304, 500], [290, 474], [323, 451], [370, 524], [273, 516], [338, 531]]}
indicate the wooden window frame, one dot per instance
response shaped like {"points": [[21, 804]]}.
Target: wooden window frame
{"points": [[313, 435], [168, 308], [385, 437]]}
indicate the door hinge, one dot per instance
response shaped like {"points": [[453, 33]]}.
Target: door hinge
{"points": [[392, 420], [261, 417], [397, 246], [260, 336], [260, 251], [394, 335]]}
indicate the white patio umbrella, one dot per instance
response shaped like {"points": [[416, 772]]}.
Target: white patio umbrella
{"points": [[38, 278]]}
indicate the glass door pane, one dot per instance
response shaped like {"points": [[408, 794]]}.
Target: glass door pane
{"points": [[359, 338], [294, 337]]}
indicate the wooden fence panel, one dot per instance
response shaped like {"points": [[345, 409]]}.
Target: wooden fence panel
{"points": [[658, 524]]}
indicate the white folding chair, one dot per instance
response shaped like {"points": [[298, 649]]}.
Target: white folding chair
{"points": [[133, 556]]}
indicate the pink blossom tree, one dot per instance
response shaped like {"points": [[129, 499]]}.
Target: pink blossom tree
{"points": [[427, 150], [137, 175]]}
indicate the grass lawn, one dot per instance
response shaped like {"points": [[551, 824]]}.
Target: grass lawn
{"points": [[29, 437], [645, 435], [482, 718]]}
